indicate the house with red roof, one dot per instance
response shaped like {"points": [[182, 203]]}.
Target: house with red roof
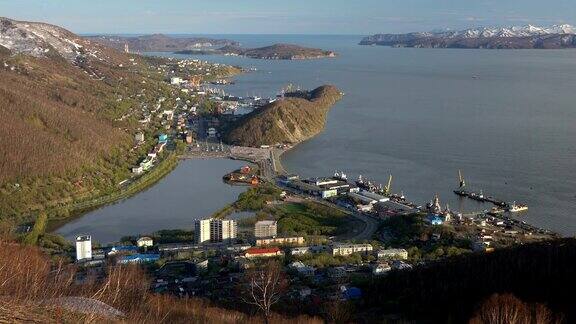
{"points": [[262, 252]]}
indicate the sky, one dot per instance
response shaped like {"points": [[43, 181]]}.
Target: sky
{"points": [[360, 17]]}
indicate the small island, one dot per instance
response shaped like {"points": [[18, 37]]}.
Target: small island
{"points": [[291, 120], [273, 52]]}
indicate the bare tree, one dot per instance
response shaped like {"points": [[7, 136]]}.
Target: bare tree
{"points": [[264, 286], [336, 311], [508, 309]]}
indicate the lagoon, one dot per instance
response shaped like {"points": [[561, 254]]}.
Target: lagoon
{"points": [[192, 191]]}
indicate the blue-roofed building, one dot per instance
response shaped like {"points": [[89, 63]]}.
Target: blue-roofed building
{"points": [[435, 219], [162, 138], [139, 258], [352, 293]]}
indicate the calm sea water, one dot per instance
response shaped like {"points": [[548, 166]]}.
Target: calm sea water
{"points": [[193, 190], [506, 118]]}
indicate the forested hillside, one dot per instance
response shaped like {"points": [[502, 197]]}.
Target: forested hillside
{"points": [[291, 120], [449, 291], [68, 112]]}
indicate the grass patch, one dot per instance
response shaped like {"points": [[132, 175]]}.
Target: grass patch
{"points": [[324, 260], [255, 198], [37, 230], [411, 232], [310, 218]]}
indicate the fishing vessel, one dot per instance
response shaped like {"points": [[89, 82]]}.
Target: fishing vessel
{"points": [[515, 208], [340, 175], [366, 185]]}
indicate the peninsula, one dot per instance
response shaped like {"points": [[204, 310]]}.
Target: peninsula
{"points": [[525, 37], [291, 120], [160, 43], [272, 52]]}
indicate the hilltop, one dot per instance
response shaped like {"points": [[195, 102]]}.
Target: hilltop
{"points": [[160, 42], [293, 119], [272, 52], [525, 37]]}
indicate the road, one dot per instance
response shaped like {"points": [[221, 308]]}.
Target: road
{"points": [[270, 167], [366, 232], [370, 225]]}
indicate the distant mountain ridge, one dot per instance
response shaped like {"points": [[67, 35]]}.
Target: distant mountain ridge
{"points": [[160, 42], [529, 36]]}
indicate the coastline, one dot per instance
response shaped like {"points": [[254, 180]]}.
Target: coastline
{"points": [[61, 215], [77, 210]]}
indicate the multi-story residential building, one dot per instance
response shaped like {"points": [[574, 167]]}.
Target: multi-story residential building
{"points": [[223, 230], [297, 240], [347, 249], [202, 231], [215, 230], [265, 228], [83, 247], [393, 254]]}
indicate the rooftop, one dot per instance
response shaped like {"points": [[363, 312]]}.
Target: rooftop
{"points": [[266, 222], [351, 245], [262, 250]]}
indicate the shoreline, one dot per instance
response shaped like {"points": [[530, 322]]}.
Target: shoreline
{"points": [[76, 212], [80, 209]]}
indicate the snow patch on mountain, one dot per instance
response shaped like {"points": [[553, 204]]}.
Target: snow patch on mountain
{"points": [[39, 40], [504, 32]]}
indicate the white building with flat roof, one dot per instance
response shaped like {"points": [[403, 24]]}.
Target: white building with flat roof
{"points": [[145, 241], [371, 195], [83, 247], [215, 230], [347, 249], [223, 230], [266, 228], [363, 199], [393, 254]]}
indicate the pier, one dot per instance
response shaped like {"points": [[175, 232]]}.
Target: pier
{"points": [[479, 196]]}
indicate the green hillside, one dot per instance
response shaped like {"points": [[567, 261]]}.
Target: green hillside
{"points": [[291, 120]]}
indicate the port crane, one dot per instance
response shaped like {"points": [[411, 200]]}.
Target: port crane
{"points": [[388, 186], [461, 179]]}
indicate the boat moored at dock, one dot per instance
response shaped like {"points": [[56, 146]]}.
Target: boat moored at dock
{"points": [[501, 205], [516, 208]]}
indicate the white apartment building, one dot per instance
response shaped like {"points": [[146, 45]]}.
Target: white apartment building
{"points": [[223, 230], [215, 230], [393, 254], [202, 231], [266, 228], [83, 247], [347, 249]]}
